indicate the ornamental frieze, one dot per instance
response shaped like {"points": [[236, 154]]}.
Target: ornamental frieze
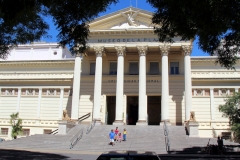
{"points": [[134, 81]]}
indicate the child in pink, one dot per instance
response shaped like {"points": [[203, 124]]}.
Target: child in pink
{"points": [[119, 137]]}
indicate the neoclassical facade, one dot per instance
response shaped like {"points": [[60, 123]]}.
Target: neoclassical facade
{"points": [[125, 77]]}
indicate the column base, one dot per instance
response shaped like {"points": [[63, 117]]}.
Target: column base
{"points": [[98, 122], [167, 122], [141, 123], [118, 123]]}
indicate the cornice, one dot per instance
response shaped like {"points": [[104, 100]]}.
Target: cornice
{"points": [[40, 62]]}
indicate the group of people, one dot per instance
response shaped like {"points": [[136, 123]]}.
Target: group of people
{"points": [[117, 136]]}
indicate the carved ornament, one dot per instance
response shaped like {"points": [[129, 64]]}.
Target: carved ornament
{"points": [[121, 50], [99, 51], [187, 49], [142, 50], [165, 49]]}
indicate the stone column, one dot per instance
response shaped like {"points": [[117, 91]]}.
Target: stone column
{"points": [[188, 80], [39, 102], [119, 87], [212, 103], [142, 50], [76, 87], [236, 90], [19, 99], [61, 104], [98, 84], [165, 83]]}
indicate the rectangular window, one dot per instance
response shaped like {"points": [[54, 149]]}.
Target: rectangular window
{"points": [[4, 131], [47, 131], [113, 68], [92, 68], [154, 68], [174, 67], [133, 68], [26, 132]]}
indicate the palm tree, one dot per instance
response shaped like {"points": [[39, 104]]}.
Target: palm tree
{"points": [[16, 123]]}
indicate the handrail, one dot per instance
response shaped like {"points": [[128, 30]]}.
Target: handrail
{"points": [[80, 119], [76, 138], [90, 126], [54, 132], [166, 132]]}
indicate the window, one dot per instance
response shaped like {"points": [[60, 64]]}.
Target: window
{"points": [[174, 66], [154, 68], [26, 132], [133, 68], [113, 68], [47, 131], [92, 68], [4, 131]]}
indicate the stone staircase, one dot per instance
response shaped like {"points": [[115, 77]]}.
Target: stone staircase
{"points": [[147, 138]]}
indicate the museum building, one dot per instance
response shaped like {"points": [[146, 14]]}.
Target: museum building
{"points": [[125, 77]]}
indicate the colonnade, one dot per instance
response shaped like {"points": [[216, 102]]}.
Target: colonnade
{"points": [[142, 51]]}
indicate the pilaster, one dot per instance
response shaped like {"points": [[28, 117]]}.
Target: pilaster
{"points": [[212, 103], [18, 99], [61, 104], [39, 102]]}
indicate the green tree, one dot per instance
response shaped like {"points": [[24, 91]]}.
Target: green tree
{"points": [[16, 123], [22, 21], [215, 22], [230, 110]]}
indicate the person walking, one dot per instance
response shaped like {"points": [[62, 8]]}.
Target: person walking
{"points": [[111, 137], [124, 134], [220, 145]]}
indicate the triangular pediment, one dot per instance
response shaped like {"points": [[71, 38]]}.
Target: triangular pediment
{"points": [[128, 18]]}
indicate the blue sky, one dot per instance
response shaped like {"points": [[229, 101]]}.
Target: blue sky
{"points": [[141, 4]]}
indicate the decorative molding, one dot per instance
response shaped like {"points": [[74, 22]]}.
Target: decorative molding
{"points": [[121, 50], [165, 49], [142, 50], [51, 92], [187, 49], [99, 51], [30, 92], [39, 62]]}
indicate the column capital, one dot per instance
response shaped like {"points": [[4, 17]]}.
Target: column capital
{"points": [[165, 49], [142, 50], [99, 50], [121, 50], [187, 49]]}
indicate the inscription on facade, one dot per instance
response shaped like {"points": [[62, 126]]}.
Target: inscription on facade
{"points": [[124, 40], [134, 81]]}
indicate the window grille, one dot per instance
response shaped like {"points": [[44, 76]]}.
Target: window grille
{"points": [[4, 131], [174, 67], [133, 68], [92, 68], [26, 132], [113, 68], [154, 68]]}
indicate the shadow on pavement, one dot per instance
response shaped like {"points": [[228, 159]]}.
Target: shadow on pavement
{"points": [[27, 155]]}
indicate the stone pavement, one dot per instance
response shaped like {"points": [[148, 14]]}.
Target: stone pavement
{"points": [[147, 138]]}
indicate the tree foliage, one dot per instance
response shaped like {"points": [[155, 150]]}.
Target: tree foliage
{"points": [[16, 123], [230, 111], [23, 21], [215, 22]]}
